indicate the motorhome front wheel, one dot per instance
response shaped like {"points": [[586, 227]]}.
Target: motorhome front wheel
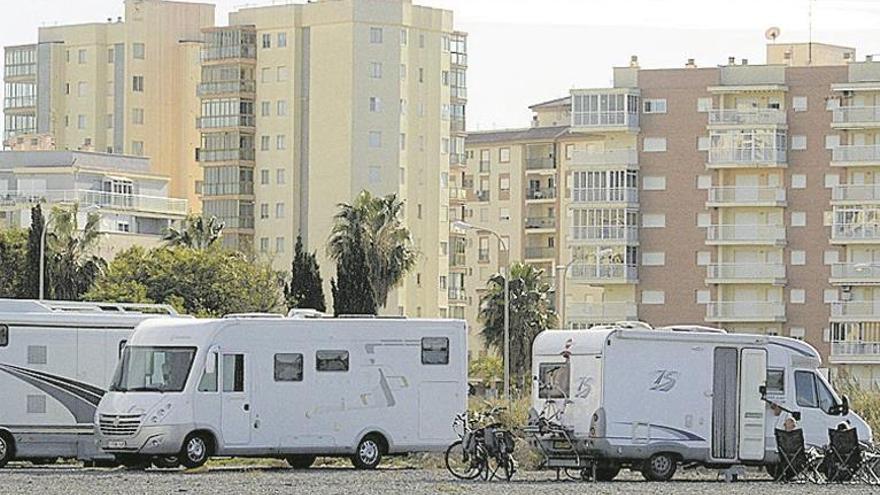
{"points": [[195, 452]]}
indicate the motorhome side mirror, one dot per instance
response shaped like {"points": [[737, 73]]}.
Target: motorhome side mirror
{"points": [[211, 364], [844, 406], [796, 415], [762, 390]]}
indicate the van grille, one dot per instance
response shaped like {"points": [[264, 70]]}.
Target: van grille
{"points": [[119, 425]]}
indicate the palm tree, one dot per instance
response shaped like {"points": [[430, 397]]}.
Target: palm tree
{"points": [[74, 267], [530, 313], [386, 240], [195, 232]]}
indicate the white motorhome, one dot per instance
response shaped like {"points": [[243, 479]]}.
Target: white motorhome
{"points": [[291, 388], [56, 360], [650, 399]]}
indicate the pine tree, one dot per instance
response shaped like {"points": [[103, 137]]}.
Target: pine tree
{"points": [[306, 288], [31, 283], [352, 292]]}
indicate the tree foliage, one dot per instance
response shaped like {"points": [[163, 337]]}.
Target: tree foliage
{"points": [[72, 266], [530, 313], [352, 291], [195, 232], [31, 284], [306, 288], [13, 261], [376, 225], [201, 282]]}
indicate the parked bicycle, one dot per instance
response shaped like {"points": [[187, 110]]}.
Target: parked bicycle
{"points": [[484, 449]]}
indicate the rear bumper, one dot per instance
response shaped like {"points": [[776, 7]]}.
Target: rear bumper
{"points": [[149, 440]]}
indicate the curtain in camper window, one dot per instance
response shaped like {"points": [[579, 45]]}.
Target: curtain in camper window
{"points": [[724, 404]]}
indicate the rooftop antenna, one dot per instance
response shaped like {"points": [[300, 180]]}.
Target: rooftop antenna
{"points": [[772, 33], [810, 35]]}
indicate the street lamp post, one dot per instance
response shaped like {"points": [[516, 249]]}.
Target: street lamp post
{"points": [[562, 274], [49, 218], [466, 226]]}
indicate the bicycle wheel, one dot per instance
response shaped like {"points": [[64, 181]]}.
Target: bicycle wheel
{"points": [[461, 464], [508, 466]]}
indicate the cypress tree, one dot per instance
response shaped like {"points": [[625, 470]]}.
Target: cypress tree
{"points": [[31, 283], [352, 292], [306, 288]]}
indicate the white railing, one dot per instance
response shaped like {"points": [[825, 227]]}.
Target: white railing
{"points": [[856, 192], [850, 115], [855, 309], [456, 294], [748, 156], [604, 272], [605, 195], [855, 231], [745, 271], [855, 271], [609, 118], [457, 193], [863, 341], [746, 233], [608, 157], [746, 194], [745, 310], [540, 253], [605, 233], [607, 311], [541, 223], [755, 116], [856, 153], [108, 200]]}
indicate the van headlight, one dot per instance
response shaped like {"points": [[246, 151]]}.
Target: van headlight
{"points": [[160, 414]]}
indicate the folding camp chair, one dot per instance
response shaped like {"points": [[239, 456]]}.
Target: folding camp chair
{"points": [[796, 461], [845, 457]]}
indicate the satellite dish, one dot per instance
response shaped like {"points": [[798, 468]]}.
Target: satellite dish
{"points": [[772, 33]]}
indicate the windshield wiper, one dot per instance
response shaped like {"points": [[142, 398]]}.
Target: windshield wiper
{"points": [[144, 389]]}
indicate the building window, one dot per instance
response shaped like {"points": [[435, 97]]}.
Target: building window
{"points": [[375, 139], [82, 88], [444, 145], [109, 55], [80, 121], [435, 350], [264, 176], [264, 143], [404, 35], [123, 226], [264, 210], [109, 121], [265, 108], [288, 367], [137, 148], [264, 244], [376, 70], [267, 40], [375, 104], [704, 104], [421, 75], [266, 74], [138, 51], [282, 40], [483, 251], [444, 78], [657, 105], [137, 84], [279, 244], [402, 141], [654, 144], [375, 35], [374, 174], [137, 116], [504, 155], [281, 142], [281, 108], [81, 56], [421, 41], [279, 210], [279, 176], [283, 73]]}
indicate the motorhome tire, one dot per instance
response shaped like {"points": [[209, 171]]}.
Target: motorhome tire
{"points": [[607, 473], [195, 451], [133, 461], [166, 462], [660, 467], [300, 461], [43, 461], [369, 453], [7, 448]]}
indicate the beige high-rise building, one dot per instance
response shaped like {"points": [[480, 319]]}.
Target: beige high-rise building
{"points": [[303, 106], [740, 196], [120, 86]]}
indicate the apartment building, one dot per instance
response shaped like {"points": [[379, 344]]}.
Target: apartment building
{"points": [[120, 86], [303, 106], [741, 196], [133, 202]]}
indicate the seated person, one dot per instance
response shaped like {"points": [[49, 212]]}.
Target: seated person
{"points": [[784, 420]]}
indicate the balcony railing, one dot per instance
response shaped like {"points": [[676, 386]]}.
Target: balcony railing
{"points": [[746, 233], [855, 342], [541, 222], [856, 115], [13, 102], [540, 253], [618, 233], [457, 294], [757, 157], [541, 193], [745, 311], [106, 200], [457, 194], [540, 163], [745, 271], [482, 196], [581, 158], [856, 192], [604, 272], [856, 310], [755, 116], [602, 312], [855, 232], [227, 52], [746, 195], [457, 260], [868, 153], [225, 121], [222, 87], [605, 195], [226, 155], [855, 272]]}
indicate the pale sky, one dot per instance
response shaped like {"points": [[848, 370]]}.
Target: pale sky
{"points": [[526, 51]]}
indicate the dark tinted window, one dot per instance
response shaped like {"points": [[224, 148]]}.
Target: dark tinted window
{"points": [[288, 367], [331, 360], [775, 382], [233, 372], [435, 350]]}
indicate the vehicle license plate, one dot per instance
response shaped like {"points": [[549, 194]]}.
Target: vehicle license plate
{"points": [[116, 444]]}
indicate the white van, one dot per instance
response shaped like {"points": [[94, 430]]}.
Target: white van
{"points": [[56, 360], [291, 388], [650, 399]]}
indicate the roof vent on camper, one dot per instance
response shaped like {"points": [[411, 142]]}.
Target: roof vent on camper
{"points": [[305, 313], [692, 328], [633, 325], [235, 316]]}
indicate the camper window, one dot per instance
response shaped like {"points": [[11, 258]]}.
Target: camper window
{"points": [[435, 350], [208, 382], [4, 336], [553, 380], [288, 367], [233, 372], [331, 360], [805, 389], [775, 382]]}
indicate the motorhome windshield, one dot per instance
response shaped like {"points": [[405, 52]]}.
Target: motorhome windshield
{"points": [[153, 369]]}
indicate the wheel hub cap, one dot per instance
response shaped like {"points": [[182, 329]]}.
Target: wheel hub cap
{"points": [[369, 451], [195, 449], [661, 464], [2, 448]]}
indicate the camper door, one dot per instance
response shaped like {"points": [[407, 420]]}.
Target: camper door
{"points": [[737, 408], [236, 399]]}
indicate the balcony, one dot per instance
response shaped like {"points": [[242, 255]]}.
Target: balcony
{"points": [[541, 163], [226, 155], [605, 109], [856, 155], [457, 260], [212, 53], [745, 273], [851, 273], [20, 102], [605, 159], [745, 234], [855, 311], [226, 87], [540, 253], [628, 234], [134, 203], [856, 193], [854, 343], [751, 117], [745, 311], [855, 117], [540, 223], [457, 295], [616, 195], [224, 121], [541, 194], [457, 194], [597, 313], [604, 273], [481, 196], [746, 196], [759, 157], [855, 233]]}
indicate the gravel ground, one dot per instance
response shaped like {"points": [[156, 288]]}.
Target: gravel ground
{"points": [[328, 481]]}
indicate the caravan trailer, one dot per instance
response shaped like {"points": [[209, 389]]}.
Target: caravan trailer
{"points": [[56, 360], [649, 399], [291, 388]]}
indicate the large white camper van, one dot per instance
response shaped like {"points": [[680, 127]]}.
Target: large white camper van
{"points": [[650, 399], [291, 388], [56, 360]]}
